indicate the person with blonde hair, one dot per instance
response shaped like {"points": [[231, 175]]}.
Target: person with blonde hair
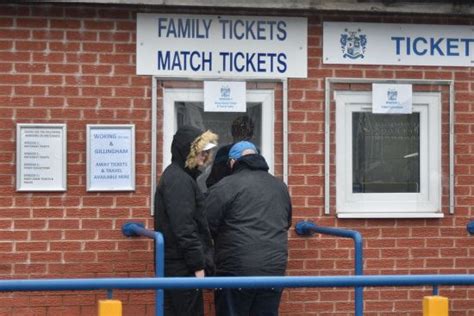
{"points": [[180, 217]]}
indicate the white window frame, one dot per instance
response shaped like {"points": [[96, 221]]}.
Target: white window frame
{"points": [[426, 203], [171, 96]]}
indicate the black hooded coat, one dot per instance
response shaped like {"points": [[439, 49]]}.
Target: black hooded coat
{"points": [[179, 212], [249, 214]]}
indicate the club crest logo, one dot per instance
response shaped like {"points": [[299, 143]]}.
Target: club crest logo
{"points": [[392, 95], [225, 91], [353, 44]]}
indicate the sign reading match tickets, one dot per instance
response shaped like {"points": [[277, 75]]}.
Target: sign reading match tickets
{"points": [[225, 96], [173, 45], [110, 157], [392, 98], [41, 157], [398, 44]]}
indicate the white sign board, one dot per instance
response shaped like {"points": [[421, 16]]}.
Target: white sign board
{"points": [[224, 96], [398, 44], [110, 157], [221, 46], [392, 98], [41, 157]]}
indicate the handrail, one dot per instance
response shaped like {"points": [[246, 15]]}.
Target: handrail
{"points": [[470, 227], [131, 229], [308, 228], [236, 282]]}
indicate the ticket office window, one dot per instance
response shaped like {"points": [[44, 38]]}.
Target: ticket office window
{"points": [[388, 165], [186, 107]]}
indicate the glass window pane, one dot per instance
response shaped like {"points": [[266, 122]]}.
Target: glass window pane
{"points": [[192, 113], [385, 153]]}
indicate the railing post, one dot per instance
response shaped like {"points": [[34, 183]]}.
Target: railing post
{"points": [[307, 228], [159, 271], [131, 229]]}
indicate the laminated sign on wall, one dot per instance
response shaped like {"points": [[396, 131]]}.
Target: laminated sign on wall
{"points": [[41, 157], [110, 157], [392, 98], [224, 96]]}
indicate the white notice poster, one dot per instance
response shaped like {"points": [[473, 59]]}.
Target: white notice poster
{"points": [[225, 96], [110, 157], [41, 157], [392, 98]]}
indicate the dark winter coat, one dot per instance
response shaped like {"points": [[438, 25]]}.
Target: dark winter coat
{"points": [[220, 168], [249, 213], [179, 213]]}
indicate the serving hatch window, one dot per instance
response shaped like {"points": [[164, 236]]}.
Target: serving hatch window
{"points": [[387, 165]]}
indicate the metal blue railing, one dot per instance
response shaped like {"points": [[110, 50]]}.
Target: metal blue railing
{"points": [[307, 228], [138, 229], [235, 282], [159, 283]]}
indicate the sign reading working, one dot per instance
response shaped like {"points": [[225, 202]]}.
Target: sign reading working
{"points": [[398, 44], [221, 46]]}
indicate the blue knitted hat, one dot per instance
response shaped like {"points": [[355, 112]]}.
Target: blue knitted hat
{"points": [[238, 148]]}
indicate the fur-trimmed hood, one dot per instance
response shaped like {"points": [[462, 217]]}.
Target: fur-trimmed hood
{"points": [[187, 143]]}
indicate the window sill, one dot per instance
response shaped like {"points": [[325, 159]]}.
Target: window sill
{"points": [[389, 215]]}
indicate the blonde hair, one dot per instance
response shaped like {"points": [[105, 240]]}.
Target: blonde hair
{"points": [[197, 146]]}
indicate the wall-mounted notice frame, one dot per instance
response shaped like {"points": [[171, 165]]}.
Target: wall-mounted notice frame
{"points": [[110, 157], [41, 157]]}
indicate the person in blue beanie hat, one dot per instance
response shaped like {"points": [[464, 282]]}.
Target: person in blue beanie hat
{"points": [[241, 149], [249, 214]]}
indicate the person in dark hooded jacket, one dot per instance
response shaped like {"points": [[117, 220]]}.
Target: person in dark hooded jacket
{"points": [[180, 217], [249, 214], [242, 129]]}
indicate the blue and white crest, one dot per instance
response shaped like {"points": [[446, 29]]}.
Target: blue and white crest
{"points": [[353, 44], [225, 91], [392, 95]]}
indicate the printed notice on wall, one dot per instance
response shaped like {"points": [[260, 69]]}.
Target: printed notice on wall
{"points": [[392, 98], [110, 157], [41, 157], [224, 96]]}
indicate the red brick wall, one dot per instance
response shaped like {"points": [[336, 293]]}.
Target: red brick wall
{"points": [[76, 65]]}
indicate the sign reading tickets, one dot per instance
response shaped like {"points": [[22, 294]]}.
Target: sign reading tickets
{"points": [[221, 46], [225, 96], [110, 157], [398, 44], [392, 98], [41, 157]]}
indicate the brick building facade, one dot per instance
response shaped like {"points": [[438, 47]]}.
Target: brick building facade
{"points": [[75, 64]]}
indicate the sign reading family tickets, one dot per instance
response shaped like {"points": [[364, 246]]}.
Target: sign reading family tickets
{"points": [[221, 46], [398, 44]]}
